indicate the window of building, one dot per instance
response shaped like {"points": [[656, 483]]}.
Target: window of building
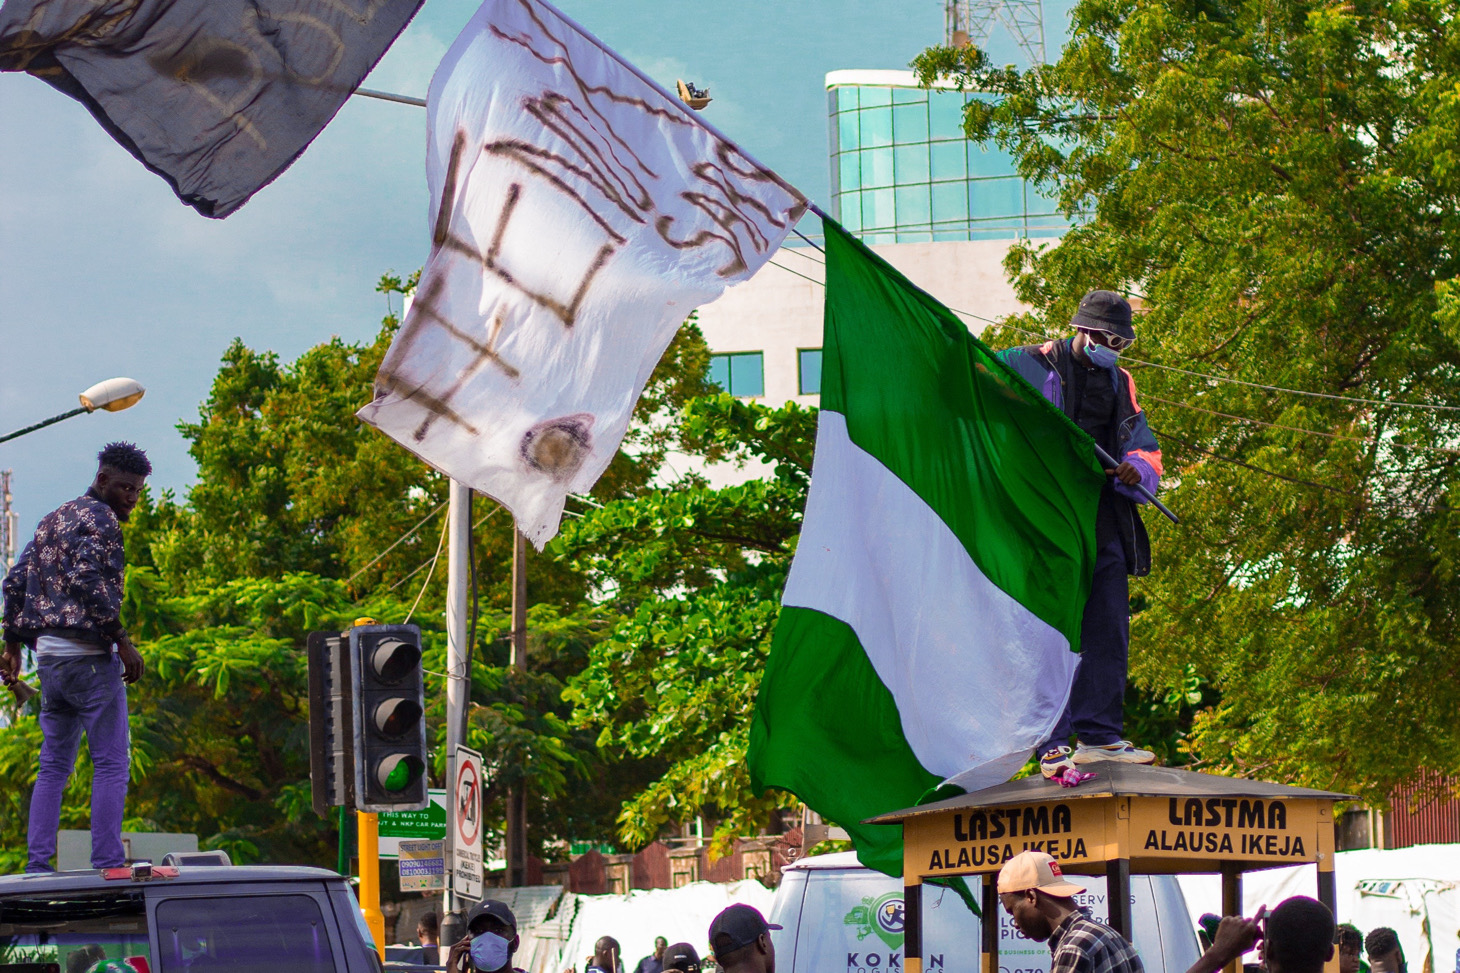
{"points": [[876, 127], [740, 373], [808, 364], [903, 172], [945, 111]]}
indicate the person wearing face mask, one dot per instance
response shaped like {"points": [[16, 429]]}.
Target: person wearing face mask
{"points": [[491, 939], [1080, 376]]}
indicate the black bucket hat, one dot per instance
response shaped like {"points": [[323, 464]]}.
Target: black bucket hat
{"points": [[1105, 311]]}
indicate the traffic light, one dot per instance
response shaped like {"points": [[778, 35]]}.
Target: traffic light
{"points": [[389, 717], [331, 723]]}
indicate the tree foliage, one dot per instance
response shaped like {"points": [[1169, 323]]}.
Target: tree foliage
{"points": [[1277, 182], [694, 575], [303, 519]]}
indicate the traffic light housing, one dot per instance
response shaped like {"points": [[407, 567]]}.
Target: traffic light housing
{"points": [[331, 723], [389, 706]]}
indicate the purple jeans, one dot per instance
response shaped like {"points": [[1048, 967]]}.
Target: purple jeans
{"points": [[85, 693]]}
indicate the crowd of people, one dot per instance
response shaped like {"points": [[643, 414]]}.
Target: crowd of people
{"points": [[1298, 936], [739, 939]]}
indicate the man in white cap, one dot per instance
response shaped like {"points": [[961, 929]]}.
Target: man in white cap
{"points": [[1041, 903]]}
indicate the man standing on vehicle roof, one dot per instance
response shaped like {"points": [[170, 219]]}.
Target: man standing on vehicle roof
{"points": [[491, 939], [1079, 376], [63, 598]]}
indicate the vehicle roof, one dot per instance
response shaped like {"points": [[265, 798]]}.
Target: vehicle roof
{"points": [[91, 880], [837, 859]]}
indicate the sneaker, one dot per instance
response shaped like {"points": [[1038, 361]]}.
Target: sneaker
{"points": [[1055, 761], [1122, 750]]}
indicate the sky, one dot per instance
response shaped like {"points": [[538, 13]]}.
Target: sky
{"points": [[103, 272]]}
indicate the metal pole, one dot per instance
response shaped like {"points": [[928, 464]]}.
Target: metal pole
{"points": [[458, 653], [1110, 464], [1117, 895], [391, 96], [989, 922], [9, 522], [370, 879], [1232, 901], [912, 922], [44, 423], [517, 795]]}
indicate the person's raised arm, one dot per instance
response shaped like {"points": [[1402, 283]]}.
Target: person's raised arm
{"points": [[1235, 936]]}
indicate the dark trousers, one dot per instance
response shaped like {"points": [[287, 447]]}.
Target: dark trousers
{"points": [[1096, 712]]}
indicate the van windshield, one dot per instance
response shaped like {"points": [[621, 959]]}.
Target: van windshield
{"points": [[75, 933]]}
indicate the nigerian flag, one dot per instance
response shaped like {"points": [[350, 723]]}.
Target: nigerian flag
{"points": [[930, 624]]}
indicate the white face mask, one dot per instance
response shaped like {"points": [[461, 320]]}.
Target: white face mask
{"points": [[489, 952]]}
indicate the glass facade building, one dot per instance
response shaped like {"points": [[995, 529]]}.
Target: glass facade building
{"points": [[903, 172]]}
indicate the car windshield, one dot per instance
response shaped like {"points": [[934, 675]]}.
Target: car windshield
{"points": [[74, 933]]}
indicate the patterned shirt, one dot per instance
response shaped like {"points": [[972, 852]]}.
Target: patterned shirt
{"points": [[70, 575], [1079, 944]]}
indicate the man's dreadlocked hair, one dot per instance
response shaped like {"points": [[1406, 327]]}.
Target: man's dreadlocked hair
{"points": [[124, 458]]}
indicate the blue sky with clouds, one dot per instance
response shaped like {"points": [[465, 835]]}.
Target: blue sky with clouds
{"points": [[103, 272]]}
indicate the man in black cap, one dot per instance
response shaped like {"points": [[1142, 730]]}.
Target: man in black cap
{"points": [[741, 940], [1079, 375], [491, 939], [682, 957]]}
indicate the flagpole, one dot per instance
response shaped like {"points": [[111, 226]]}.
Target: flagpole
{"points": [[1109, 463], [458, 653], [517, 660]]}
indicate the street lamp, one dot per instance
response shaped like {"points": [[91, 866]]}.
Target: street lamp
{"points": [[113, 395]]}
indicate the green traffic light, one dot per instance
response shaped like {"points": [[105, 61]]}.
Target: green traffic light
{"points": [[399, 771]]}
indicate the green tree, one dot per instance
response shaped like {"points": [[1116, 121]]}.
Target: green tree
{"points": [[303, 519], [693, 574], [1276, 182]]}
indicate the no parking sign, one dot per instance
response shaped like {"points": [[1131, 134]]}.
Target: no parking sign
{"points": [[466, 824]]}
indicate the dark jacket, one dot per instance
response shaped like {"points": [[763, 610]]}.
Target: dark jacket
{"points": [[1047, 368], [69, 578]]}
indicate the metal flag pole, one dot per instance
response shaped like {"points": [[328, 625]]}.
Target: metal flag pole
{"points": [[517, 795], [458, 653], [1109, 463]]}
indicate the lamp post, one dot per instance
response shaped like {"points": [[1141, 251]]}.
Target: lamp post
{"points": [[113, 395]]}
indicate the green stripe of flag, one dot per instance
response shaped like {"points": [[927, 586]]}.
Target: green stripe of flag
{"points": [[1013, 478]]}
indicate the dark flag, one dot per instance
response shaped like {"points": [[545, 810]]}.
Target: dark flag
{"points": [[218, 97]]}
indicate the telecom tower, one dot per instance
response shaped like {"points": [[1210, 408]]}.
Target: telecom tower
{"points": [[972, 22]]}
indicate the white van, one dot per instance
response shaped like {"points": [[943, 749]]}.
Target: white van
{"points": [[840, 917]]}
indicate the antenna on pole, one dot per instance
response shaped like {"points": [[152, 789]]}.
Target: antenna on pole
{"points": [[972, 22]]}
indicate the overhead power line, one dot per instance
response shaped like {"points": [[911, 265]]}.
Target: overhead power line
{"points": [[1308, 432], [1293, 479], [398, 542], [1357, 400]]}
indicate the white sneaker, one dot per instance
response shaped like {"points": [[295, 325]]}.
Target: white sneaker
{"points": [[1122, 750], [1054, 761]]}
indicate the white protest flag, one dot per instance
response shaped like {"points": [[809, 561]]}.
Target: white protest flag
{"points": [[580, 213]]}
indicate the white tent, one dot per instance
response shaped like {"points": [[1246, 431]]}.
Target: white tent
{"points": [[1415, 891], [679, 915]]}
